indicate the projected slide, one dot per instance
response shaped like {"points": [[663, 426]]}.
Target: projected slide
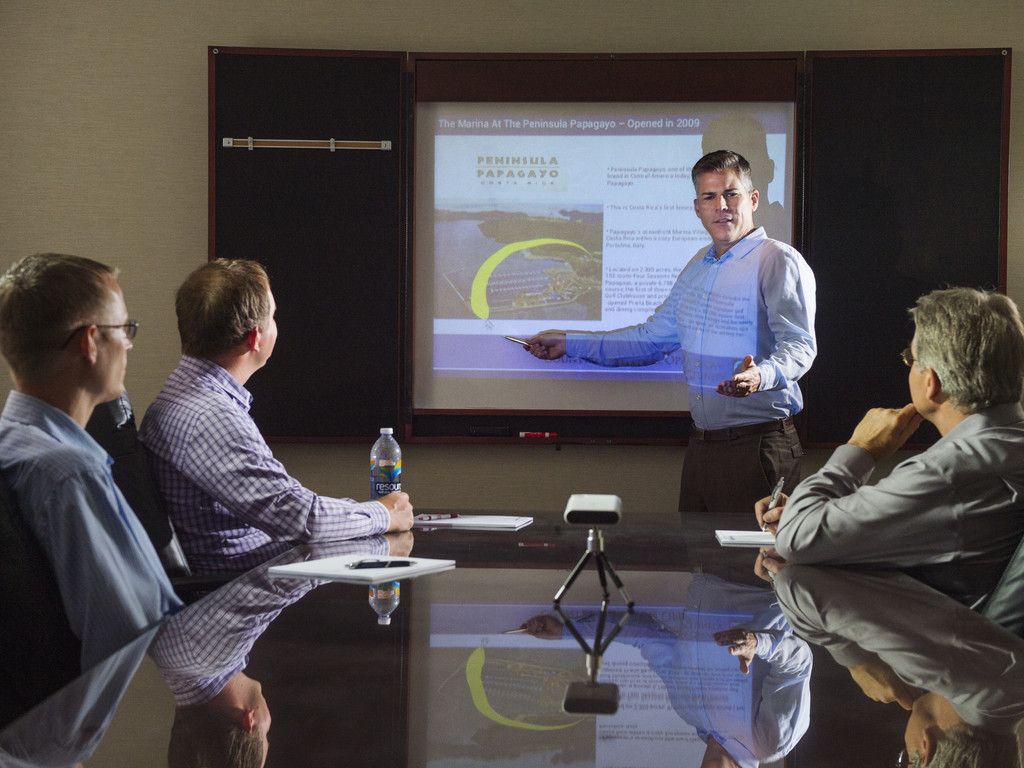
{"points": [[579, 216]]}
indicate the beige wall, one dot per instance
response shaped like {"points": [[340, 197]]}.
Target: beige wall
{"points": [[103, 109]]}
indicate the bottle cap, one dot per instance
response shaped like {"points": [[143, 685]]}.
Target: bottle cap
{"points": [[387, 430], [385, 620]]}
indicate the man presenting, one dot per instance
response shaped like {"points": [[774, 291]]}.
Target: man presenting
{"points": [[65, 333], [227, 494], [955, 513], [742, 312]]}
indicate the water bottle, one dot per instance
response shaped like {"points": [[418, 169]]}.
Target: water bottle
{"points": [[385, 465], [384, 600]]}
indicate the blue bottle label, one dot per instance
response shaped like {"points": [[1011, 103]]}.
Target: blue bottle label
{"points": [[385, 477]]}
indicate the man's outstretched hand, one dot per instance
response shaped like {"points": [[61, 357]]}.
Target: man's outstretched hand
{"points": [[744, 382], [547, 345]]}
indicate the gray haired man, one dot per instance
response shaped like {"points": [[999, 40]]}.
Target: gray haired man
{"points": [[952, 515]]}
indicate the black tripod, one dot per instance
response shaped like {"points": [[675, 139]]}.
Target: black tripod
{"points": [[591, 696]]}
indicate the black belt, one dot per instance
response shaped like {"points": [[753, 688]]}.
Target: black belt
{"points": [[731, 433]]}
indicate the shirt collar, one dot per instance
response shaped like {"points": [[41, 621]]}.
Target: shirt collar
{"points": [[218, 377], [739, 249], [33, 412], [996, 416]]}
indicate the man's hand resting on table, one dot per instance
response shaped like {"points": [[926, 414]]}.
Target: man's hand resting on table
{"points": [[400, 543], [399, 511]]}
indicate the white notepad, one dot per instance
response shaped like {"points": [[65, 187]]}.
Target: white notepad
{"points": [[473, 522], [745, 538], [340, 568]]}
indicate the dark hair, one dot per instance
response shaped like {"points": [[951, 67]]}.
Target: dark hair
{"points": [[219, 303], [43, 298], [720, 161], [203, 738]]}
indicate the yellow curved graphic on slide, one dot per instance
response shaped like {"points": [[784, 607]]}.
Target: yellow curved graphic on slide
{"points": [[475, 680], [478, 293]]}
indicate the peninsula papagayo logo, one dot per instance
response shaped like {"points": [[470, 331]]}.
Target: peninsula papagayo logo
{"points": [[514, 169]]}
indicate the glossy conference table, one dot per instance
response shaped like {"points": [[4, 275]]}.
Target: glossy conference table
{"points": [[452, 683]]}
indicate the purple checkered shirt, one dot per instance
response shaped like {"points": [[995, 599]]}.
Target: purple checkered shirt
{"points": [[225, 492], [207, 643]]}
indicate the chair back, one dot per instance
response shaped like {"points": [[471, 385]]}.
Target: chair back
{"points": [[1005, 604], [113, 426], [39, 654]]}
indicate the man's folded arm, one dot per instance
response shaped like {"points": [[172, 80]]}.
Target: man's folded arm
{"points": [[255, 487], [834, 518]]}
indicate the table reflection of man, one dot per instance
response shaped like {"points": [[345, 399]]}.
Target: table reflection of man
{"points": [[778, 662], [67, 728], [222, 717], [742, 313], [953, 513], [960, 675]]}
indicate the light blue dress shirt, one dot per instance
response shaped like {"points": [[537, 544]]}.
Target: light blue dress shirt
{"points": [[758, 298], [111, 582]]}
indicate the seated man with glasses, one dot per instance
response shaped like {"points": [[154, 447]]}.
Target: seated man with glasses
{"points": [[953, 515], [64, 333], [227, 495]]}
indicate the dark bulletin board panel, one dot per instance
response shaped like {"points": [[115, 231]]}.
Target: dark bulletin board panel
{"points": [[328, 226], [906, 157]]}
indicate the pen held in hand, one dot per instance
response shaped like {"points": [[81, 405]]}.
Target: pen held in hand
{"points": [[774, 500]]}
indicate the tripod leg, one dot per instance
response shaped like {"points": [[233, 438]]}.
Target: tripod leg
{"points": [[602, 617], [603, 564], [572, 630], [615, 630], [572, 577]]}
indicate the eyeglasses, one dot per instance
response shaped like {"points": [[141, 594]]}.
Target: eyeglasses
{"points": [[907, 356], [130, 329]]}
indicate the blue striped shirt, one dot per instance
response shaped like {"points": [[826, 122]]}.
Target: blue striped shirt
{"points": [[757, 299], [225, 492], [111, 582]]}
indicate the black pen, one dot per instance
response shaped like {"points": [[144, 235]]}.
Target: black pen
{"points": [[774, 500]]}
